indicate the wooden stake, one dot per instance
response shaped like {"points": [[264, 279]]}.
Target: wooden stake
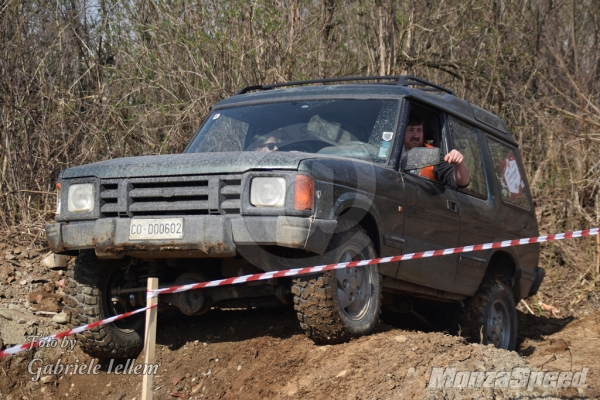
{"points": [[150, 340], [597, 238], [597, 255], [527, 307]]}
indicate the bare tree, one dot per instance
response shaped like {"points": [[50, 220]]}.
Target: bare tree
{"points": [[82, 81]]}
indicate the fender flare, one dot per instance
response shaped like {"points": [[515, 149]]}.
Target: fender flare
{"points": [[361, 203]]}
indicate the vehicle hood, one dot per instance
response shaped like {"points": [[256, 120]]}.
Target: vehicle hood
{"points": [[188, 164]]}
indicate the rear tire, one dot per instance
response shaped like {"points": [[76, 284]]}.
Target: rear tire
{"points": [[88, 300], [337, 305], [490, 316]]}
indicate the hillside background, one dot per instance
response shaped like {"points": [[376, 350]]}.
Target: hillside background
{"points": [[82, 81]]}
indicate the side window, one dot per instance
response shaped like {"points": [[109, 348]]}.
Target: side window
{"points": [[465, 139], [508, 173], [423, 129]]}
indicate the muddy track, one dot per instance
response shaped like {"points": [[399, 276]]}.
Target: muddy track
{"points": [[263, 353]]}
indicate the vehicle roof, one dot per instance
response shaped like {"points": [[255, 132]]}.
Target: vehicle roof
{"points": [[446, 102]]}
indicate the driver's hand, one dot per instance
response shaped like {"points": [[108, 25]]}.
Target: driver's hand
{"points": [[454, 157]]}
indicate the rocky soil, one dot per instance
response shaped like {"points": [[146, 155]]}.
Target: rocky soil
{"points": [[262, 353]]}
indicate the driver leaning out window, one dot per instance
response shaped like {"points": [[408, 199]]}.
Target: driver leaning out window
{"points": [[452, 171]]}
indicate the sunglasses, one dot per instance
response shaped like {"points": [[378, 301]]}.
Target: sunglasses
{"points": [[270, 146]]}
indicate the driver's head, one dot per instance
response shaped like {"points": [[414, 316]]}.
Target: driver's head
{"points": [[413, 137], [265, 143]]}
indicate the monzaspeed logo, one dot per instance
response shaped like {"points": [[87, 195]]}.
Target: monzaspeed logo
{"points": [[518, 378]]}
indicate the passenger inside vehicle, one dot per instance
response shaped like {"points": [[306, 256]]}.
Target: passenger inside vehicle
{"points": [[265, 143]]}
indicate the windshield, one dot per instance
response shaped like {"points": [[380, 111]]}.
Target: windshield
{"points": [[360, 129]]}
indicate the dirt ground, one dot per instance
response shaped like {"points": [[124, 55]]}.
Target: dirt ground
{"points": [[262, 353]]}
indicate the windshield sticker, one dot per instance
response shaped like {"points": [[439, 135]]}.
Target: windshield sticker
{"points": [[383, 150], [512, 176], [216, 116], [387, 136]]}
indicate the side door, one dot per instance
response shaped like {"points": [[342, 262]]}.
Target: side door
{"points": [[477, 206], [431, 214]]}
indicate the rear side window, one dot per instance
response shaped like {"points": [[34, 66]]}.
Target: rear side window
{"points": [[465, 139], [508, 174]]}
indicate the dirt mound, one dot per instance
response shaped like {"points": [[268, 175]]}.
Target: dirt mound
{"points": [[262, 353], [259, 354]]}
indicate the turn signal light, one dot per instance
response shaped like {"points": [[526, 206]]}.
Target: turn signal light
{"points": [[58, 190], [304, 193]]}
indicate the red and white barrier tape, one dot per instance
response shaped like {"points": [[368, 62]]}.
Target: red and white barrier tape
{"points": [[353, 264], [79, 329], [302, 271]]}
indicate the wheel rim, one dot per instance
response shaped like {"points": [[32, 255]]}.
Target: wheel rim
{"points": [[353, 285], [498, 325]]}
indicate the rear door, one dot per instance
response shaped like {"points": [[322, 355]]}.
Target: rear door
{"points": [[476, 206]]}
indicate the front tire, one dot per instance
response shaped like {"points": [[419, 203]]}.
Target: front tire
{"points": [[490, 316], [89, 300], [343, 303]]}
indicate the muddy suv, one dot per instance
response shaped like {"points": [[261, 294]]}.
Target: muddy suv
{"points": [[278, 178]]}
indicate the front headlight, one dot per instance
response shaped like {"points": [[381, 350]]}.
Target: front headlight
{"points": [[267, 192], [81, 197]]}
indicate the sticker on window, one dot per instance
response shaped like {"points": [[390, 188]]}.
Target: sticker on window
{"points": [[383, 150], [509, 174], [387, 136], [216, 116], [512, 176]]}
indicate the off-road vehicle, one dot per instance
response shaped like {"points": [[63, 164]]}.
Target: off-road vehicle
{"points": [[291, 175]]}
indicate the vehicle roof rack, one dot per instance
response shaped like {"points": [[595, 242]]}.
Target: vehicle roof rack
{"points": [[422, 84], [404, 80]]}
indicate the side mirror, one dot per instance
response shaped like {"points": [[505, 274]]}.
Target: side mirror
{"points": [[420, 157]]}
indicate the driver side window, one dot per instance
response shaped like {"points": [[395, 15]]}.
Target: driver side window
{"points": [[422, 130]]}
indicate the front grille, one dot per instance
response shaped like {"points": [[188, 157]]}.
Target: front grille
{"points": [[190, 195], [230, 192], [182, 195], [109, 198]]}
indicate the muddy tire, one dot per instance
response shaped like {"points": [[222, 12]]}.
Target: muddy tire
{"points": [[337, 305], [89, 300], [490, 316]]}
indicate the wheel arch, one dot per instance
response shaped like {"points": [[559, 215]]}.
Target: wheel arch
{"points": [[366, 218], [505, 263]]}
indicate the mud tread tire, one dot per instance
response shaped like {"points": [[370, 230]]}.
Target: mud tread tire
{"points": [[314, 301], [84, 304], [473, 316]]}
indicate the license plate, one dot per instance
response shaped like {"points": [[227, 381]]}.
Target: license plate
{"points": [[150, 229]]}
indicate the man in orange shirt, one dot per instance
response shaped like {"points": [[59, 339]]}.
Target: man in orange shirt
{"points": [[452, 172]]}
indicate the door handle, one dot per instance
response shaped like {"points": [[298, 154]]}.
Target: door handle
{"points": [[451, 206]]}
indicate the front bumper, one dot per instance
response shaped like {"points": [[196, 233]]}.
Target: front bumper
{"points": [[203, 235]]}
